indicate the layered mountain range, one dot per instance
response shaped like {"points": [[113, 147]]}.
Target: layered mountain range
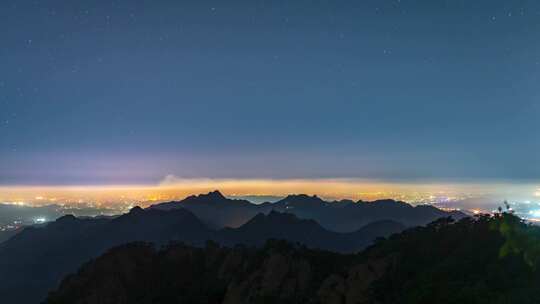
{"points": [[481, 260], [341, 216], [35, 260]]}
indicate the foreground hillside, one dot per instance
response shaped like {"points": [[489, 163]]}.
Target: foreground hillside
{"points": [[482, 260]]}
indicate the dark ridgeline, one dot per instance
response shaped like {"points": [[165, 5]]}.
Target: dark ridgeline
{"points": [[285, 226], [34, 261], [341, 216], [216, 210], [442, 263]]}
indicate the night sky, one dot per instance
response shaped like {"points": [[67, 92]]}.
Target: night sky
{"points": [[122, 92]]}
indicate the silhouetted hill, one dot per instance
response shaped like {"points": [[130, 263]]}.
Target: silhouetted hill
{"points": [[444, 262], [286, 226], [34, 260], [345, 216], [342, 216], [383, 228]]}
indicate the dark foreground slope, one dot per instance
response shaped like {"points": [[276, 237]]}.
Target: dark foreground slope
{"points": [[137, 273], [465, 262], [6, 235]]}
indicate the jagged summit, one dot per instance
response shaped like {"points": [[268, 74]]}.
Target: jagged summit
{"points": [[205, 198], [136, 210], [215, 195], [215, 209], [212, 196]]}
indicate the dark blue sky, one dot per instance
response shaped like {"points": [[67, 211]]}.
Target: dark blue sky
{"points": [[130, 91]]}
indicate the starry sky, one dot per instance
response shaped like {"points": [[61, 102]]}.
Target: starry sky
{"points": [[129, 92]]}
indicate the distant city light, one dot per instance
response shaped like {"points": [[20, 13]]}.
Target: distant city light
{"points": [[40, 220]]}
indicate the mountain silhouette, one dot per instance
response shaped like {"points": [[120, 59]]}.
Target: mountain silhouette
{"points": [[286, 226], [217, 211], [444, 262], [33, 261], [346, 216]]}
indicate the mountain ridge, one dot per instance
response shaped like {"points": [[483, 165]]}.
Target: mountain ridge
{"points": [[48, 253], [444, 262], [340, 216]]}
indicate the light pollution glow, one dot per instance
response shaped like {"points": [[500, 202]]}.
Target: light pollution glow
{"points": [[172, 188]]}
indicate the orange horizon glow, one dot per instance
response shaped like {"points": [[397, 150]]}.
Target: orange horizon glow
{"points": [[174, 189]]}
